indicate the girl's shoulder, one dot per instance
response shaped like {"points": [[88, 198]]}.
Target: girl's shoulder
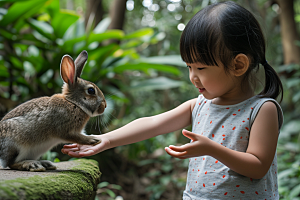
{"points": [[266, 103]]}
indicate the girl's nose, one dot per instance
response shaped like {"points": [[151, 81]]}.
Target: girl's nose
{"points": [[194, 78]]}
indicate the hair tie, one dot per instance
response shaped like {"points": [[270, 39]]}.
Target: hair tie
{"points": [[264, 63]]}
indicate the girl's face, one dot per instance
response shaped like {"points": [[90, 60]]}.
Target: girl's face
{"points": [[213, 81]]}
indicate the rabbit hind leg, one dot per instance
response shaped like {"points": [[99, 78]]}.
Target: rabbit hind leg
{"points": [[20, 159], [8, 152]]}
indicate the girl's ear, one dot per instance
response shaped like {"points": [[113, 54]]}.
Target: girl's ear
{"points": [[67, 70], [240, 64]]}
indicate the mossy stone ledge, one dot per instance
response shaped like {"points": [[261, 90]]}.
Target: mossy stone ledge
{"points": [[76, 179]]}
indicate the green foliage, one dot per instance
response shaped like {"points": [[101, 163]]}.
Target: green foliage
{"points": [[288, 145], [36, 34], [107, 189], [52, 156]]}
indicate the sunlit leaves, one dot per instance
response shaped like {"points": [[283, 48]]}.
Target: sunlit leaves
{"points": [[62, 20], [145, 66]]}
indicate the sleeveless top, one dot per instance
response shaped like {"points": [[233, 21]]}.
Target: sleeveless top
{"points": [[230, 126]]}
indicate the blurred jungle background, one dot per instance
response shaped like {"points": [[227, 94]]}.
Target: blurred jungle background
{"points": [[133, 48]]}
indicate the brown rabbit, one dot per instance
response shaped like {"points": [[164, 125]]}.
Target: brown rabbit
{"points": [[34, 127]]}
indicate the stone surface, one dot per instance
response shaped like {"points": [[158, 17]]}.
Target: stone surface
{"points": [[76, 179]]}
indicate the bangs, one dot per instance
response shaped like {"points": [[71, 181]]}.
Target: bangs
{"points": [[195, 50], [202, 40]]}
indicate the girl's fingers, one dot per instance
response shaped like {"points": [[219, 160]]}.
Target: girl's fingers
{"points": [[180, 148], [73, 149], [67, 150], [89, 152], [70, 146], [74, 154], [174, 153], [189, 134]]}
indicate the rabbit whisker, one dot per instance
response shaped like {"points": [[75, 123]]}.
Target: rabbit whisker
{"points": [[92, 122], [98, 119]]}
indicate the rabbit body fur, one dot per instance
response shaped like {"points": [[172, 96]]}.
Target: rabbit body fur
{"points": [[36, 126]]}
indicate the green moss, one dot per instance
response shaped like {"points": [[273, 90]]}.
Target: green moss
{"points": [[79, 182]]}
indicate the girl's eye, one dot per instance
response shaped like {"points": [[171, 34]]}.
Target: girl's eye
{"points": [[188, 66], [200, 68], [91, 90]]}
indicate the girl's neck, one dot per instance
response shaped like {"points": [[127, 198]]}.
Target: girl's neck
{"points": [[239, 94]]}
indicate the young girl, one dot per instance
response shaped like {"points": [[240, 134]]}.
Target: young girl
{"points": [[234, 132]]}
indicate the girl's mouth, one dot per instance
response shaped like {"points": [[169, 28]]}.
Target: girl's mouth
{"points": [[201, 90]]}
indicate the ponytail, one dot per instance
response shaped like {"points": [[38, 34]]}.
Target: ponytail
{"points": [[273, 86]]}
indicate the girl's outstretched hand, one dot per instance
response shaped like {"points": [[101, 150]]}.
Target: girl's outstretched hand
{"points": [[199, 146], [78, 150]]}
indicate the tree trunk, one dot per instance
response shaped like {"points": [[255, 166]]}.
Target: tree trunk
{"points": [[94, 13], [289, 34], [117, 14]]}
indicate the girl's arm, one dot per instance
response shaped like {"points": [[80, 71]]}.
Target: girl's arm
{"points": [[138, 130], [253, 163]]}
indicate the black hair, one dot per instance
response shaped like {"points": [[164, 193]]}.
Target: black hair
{"points": [[221, 31]]}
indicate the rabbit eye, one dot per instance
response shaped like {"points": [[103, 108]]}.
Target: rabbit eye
{"points": [[91, 90]]}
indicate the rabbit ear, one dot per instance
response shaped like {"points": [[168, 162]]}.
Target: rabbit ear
{"points": [[67, 70], [80, 61]]}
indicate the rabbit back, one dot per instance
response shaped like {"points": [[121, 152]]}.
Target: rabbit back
{"points": [[40, 119], [36, 126]]}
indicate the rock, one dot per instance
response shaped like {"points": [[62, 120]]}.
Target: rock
{"points": [[76, 179]]}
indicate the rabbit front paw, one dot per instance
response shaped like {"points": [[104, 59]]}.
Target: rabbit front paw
{"points": [[48, 164], [95, 141], [28, 165]]}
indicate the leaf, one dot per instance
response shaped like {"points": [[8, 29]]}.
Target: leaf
{"points": [[146, 162], [45, 78], [110, 193], [109, 34], [292, 127], [131, 44], [160, 83], [6, 34], [43, 28], [165, 180], [139, 33], [296, 97], [102, 53], [102, 185], [13, 0], [292, 82], [20, 11], [62, 21], [69, 44], [286, 173], [76, 30], [34, 41], [16, 63], [295, 191], [167, 60], [145, 67], [3, 72], [117, 187], [102, 25], [53, 8]]}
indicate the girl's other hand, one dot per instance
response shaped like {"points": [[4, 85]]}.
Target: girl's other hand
{"points": [[78, 150], [199, 146]]}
